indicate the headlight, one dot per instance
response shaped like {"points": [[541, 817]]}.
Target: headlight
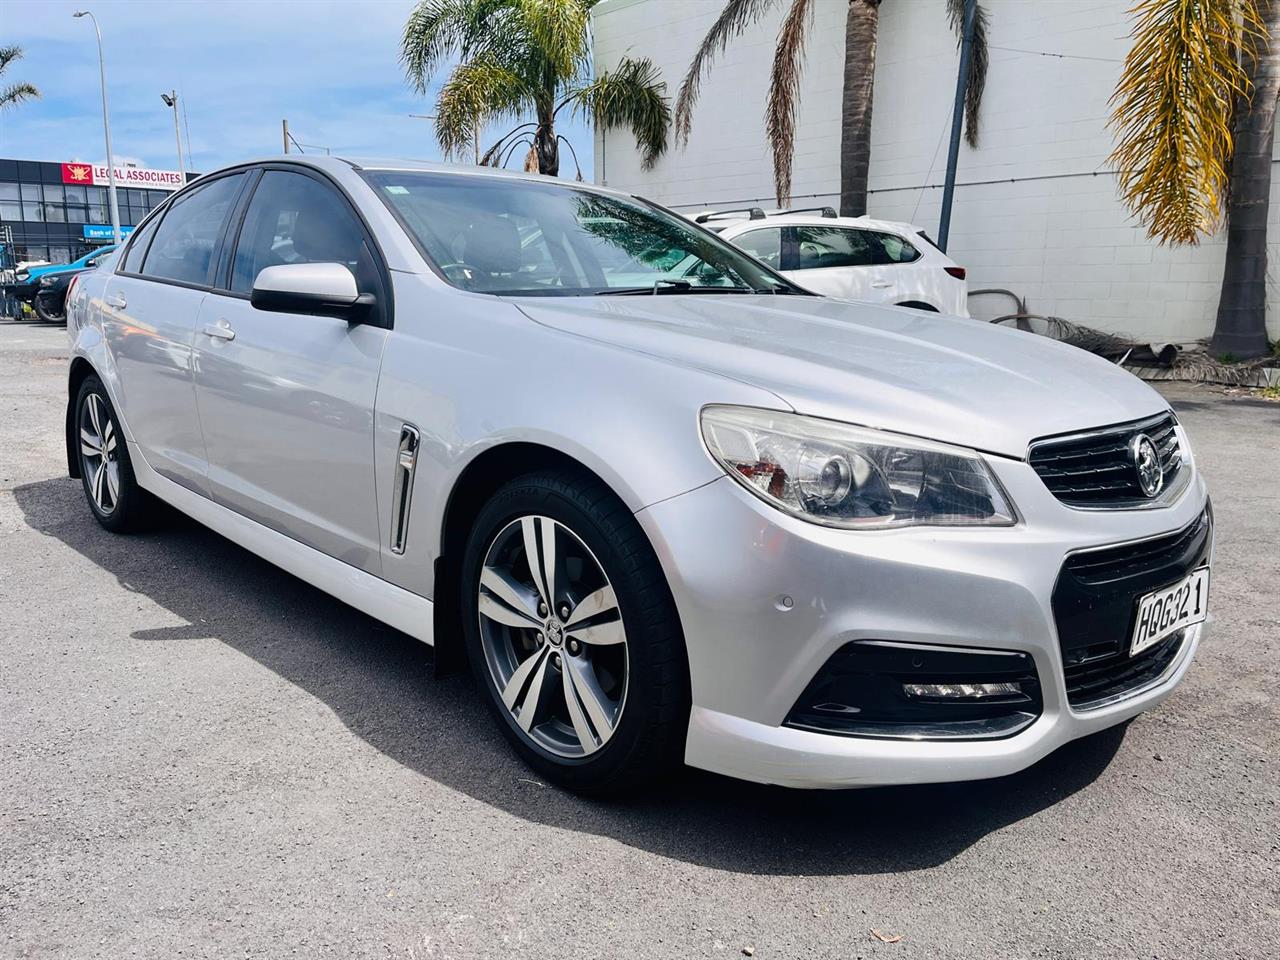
{"points": [[845, 476]]}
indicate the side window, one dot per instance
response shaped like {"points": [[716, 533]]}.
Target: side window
{"points": [[138, 248], [185, 240], [294, 218], [764, 245], [820, 247], [893, 249]]}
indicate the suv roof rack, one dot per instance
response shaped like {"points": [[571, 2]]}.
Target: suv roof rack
{"points": [[829, 212], [753, 213]]}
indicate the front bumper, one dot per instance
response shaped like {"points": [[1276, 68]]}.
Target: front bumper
{"points": [[765, 600]]}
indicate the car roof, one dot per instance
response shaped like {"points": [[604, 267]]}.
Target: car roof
{"points": [[340, 165]]}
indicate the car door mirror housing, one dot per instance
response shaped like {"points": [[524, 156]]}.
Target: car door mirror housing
{"points": [[319, 289]]}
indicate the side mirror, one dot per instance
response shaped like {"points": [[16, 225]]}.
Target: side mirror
{"points": [[319, 289]]}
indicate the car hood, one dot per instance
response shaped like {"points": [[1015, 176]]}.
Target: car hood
{"points": [[960, 381]]}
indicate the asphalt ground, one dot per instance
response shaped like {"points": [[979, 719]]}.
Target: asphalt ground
{"points": [[202, 756]]}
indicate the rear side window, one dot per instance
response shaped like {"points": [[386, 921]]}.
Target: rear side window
{"points": [[184, 242], [764, 245], [820, 247], [294, 218], [138, 248]]}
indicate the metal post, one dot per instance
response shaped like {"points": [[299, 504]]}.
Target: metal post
{"points": [[957, 120], [284, 126], [171, 99], [106, 128]]}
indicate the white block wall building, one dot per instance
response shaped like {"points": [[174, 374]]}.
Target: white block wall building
{"points": [[1036, 208]]}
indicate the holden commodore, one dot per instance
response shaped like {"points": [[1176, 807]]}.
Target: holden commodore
{"points": [[708, 518]]}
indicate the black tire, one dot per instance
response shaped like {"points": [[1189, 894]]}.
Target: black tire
{"points": [[45, 314], [130, 508], [648, 741]]}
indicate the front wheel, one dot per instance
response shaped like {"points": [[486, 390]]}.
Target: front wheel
{"points": [[48, 313], [572, 632]]}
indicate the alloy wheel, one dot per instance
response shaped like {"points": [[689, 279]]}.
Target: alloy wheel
{"points": [[99, 454], [553, 636]]}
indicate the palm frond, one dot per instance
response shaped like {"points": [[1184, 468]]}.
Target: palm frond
{"points": [[784, 88], [631, 95], [977, 65], [9, 54], [17, 93], [558, 30], [479, 88], [1173, 109], [438, 29], [736, 16]]}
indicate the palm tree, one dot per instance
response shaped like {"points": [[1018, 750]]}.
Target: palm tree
{"points": [[522, 58], [861, 24], [13, 94], [1194, 113]]}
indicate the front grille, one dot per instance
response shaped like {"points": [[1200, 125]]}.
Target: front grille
{"points": [[1091, 683], [1095, 602], [1097, 470]]}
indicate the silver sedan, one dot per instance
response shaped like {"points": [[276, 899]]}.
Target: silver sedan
{"points": [[667, 515]]}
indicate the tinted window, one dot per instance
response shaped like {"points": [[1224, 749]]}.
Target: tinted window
{"points": [[138, 248], [296, 219], [184, 242], [894, 249], [764, 245], [821, 247]]}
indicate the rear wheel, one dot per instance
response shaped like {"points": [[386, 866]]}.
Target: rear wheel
{"points": [[572, 632], [106, 471]]}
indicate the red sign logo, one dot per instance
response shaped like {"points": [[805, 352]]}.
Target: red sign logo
{"points": [[77, 173]]}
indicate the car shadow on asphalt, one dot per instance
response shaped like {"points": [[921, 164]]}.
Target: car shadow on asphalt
{"points": [[380, 684]]}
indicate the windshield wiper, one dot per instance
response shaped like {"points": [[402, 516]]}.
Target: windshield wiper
{"points": [[671, 286]]}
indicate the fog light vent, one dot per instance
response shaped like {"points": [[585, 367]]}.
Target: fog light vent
{"points": [[917, 691]]}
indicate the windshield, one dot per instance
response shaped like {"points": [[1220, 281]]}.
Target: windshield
{"points": [[513, 237]]}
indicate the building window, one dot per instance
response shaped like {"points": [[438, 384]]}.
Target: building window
{"points": [[10, 210]]}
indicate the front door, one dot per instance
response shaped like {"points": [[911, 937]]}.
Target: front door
{"points": [[286, 400]]}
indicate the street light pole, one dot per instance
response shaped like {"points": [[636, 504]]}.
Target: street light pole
{"points": [[106, 128], [171, 100]]}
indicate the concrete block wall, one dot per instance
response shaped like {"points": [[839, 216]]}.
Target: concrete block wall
{"points": [[1036, 210]]}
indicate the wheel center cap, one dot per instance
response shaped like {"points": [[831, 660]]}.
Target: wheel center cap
{"points": [[555, 632]]}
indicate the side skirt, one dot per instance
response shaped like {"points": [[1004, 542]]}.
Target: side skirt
{"points": [[381, 600]]}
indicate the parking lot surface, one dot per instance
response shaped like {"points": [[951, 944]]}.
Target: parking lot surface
{"points": [[201, 756]]}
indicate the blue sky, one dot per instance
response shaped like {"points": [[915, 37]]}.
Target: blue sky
{"points": [[241, 66]]}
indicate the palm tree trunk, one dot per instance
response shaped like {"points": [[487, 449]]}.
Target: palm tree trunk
{"points": [[855, 115], [1241, 328]]}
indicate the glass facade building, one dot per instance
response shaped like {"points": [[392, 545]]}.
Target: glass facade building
{"points": [[55, 221]]}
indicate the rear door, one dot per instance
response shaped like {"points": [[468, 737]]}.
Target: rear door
{"points": [[287, 400], [149, 310], [839, 262]]}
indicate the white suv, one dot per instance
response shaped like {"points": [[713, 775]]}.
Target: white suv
{"points": [[854, 258]]}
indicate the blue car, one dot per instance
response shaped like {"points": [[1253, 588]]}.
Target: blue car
{"points": [[27, 283]]}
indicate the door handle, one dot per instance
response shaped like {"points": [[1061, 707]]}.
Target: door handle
{"points": [[881, 284], [117, 301], [219, 331]]}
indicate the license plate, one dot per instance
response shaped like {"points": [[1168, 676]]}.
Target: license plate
{"points": [[1167, 611]]}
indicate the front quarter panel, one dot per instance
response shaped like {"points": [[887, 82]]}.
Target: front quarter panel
{"points": [[472, 372]]}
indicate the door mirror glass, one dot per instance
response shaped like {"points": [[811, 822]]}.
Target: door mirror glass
{"points": [[319, 289]]}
